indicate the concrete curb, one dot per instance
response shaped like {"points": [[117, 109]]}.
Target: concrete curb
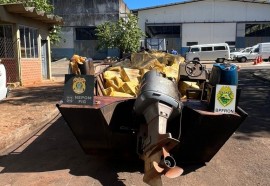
{"points": [[12, 141]]}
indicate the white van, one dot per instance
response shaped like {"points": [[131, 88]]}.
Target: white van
{"points": [[209, 52], [261, 49]]}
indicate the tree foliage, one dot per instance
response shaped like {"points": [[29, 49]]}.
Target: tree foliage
{"points": [[40, 5], [124, 34]]}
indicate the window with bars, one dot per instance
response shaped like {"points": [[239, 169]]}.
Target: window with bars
{"points": [[6, 42], [29, 42]]}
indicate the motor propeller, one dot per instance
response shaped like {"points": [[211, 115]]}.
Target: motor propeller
{"points": [[164, 166]]}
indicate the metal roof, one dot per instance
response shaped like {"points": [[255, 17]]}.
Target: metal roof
{"points": [[33, 13], [192, 1]]}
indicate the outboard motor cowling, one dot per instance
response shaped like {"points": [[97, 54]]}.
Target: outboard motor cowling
{"points": [[156, 88]]}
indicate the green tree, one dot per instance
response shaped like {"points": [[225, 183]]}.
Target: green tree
{"points": [[107, 34], [124, 34], [40, 5]]}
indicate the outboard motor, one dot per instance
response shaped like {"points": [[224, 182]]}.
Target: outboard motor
{"points": [[3, 82], [158, 101]]}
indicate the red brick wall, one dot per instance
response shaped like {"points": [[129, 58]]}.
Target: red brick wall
{"points": [[11, 70], [31, 71]]}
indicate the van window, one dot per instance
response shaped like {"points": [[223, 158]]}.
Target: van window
{"points": [[247, 50], [256, 50], [219, 48], [206, 48], [194, 49]]}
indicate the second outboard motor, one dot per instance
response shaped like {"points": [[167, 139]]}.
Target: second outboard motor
{"points": [[158, 101]]}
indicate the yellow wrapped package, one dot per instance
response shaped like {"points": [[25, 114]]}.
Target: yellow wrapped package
{"points": [[115, 68], [111, 83], [128, 74], [172, 71], [130, 88], [138, 58], [184, 85], [143, 71], [108, 91], [144, 60], [124, 64], [161, 57], [118, 81], [111, 74], [111, 92], [121, 94]]}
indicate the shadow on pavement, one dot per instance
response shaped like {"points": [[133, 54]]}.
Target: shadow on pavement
{"points": [[57, 149], [39, 94], [255, 100]]}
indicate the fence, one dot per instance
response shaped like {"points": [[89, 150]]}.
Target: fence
{"points": [[7, 54]]}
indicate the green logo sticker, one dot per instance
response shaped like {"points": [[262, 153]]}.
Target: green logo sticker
{"points": [[225, 96]]}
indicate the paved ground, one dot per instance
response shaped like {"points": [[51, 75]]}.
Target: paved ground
{"points": [[27, 109]]}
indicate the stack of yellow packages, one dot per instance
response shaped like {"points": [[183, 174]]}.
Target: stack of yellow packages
{"points": [[123, 80]]}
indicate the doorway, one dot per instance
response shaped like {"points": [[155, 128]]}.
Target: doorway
{"points": [[170, 33]]}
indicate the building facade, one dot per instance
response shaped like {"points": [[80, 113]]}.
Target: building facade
{"points": [[25, 43], [81, 18], [238, 23]]}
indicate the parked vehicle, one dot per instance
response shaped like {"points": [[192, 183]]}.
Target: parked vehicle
{"points": [[234, 55], [261, 49], [3, 79], [209, 52]]}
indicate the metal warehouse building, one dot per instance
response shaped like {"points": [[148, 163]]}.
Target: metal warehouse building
{"points": [[238, 23], [81, 18]]}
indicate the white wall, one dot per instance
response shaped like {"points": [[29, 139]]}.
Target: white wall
{"points": [[206, 11], [204, 33]]}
